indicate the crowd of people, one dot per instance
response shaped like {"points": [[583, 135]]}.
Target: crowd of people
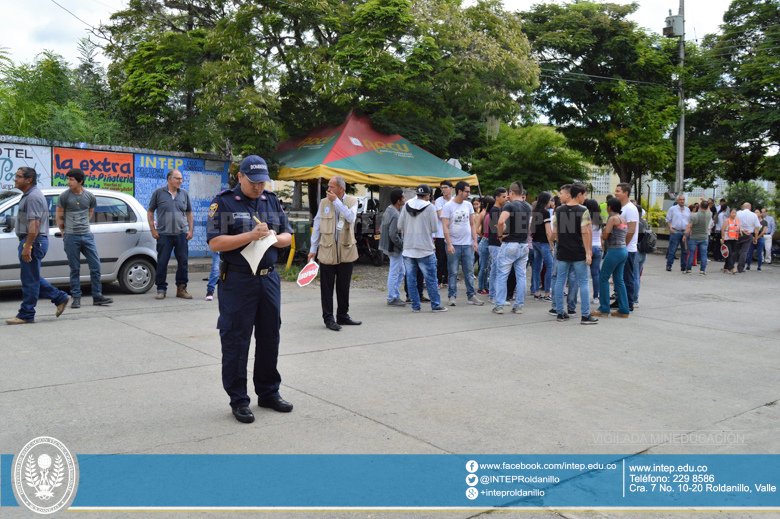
{"points": [[735, 236], [573, 244]]}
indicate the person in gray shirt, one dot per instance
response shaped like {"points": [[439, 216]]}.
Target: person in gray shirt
{"points": [[32, 229], [173, 230], [75, 207]]}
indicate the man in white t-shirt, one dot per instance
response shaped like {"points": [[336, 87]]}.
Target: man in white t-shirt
{"points": [[750, 227], [630, 271], [441, 246], [460, 234]]}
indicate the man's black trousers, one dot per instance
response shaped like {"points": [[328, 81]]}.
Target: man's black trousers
{"points": [[339, 276]]}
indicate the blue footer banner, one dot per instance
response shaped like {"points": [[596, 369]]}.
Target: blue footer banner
{"points": [[396, 481]]}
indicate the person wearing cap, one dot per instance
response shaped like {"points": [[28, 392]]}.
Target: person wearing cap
{"points": [[249, 300], [173, 231], [418, 222], [333, 242]]}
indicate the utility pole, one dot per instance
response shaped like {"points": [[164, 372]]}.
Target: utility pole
{"points": [[675, 27], [678, 181]]}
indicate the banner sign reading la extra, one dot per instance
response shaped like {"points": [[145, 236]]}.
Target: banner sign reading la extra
{"points": [[103, 169]]}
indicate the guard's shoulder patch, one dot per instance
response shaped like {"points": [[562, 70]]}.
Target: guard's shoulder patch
{"points": [[213, 209]]}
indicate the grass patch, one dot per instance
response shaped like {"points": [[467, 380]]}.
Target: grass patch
{"points": [[291, 274]]}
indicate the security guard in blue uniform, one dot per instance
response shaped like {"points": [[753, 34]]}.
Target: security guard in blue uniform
{"points": [[236, 218]]}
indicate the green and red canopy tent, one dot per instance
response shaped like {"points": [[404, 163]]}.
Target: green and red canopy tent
{"points": [[362, 155]]}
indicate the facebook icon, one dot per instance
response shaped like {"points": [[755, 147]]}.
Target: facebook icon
{"points": [[472, 466]]}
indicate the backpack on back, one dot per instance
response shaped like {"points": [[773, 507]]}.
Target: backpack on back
{"points": [[647, 238]]}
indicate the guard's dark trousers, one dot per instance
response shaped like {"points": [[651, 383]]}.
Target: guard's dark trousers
{"points": [[247, 301]]}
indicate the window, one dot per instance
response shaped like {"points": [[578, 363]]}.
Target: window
{"points": [[112, 210], [52, 201], [8, 214]]}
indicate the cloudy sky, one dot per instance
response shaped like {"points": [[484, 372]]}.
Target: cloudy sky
{"points": [[31, 26]]}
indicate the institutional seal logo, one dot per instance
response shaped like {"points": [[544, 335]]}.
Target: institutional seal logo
{"points": [[45, 475]]}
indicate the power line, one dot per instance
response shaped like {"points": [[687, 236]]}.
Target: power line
{"points": [[602, 77], [73, 15]]}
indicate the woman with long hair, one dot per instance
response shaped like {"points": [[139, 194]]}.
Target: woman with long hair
{"points": [[594, 209], [542, 243], [614, 262], [730, 233], [483, 221]]}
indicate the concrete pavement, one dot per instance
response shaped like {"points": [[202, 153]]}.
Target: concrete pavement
{"points": [[143, 376]]}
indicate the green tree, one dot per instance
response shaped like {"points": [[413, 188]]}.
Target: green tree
{"points": [[604, 86], [536, 156], [739, 114], [189, 76], [47, 99], [741, 192]]}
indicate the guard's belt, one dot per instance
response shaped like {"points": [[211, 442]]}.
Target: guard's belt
{"points": [[246, 270]]}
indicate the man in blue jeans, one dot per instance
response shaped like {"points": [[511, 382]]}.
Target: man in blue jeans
{"points": [[460, 236], [677, 218], [75, 207], [418, 222], [514, 219], [571, 229], [698, 227], [173, 230], [32, 229], [571, 298]]}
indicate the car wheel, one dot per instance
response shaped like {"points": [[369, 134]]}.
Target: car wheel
{"points": [[137, 276]]}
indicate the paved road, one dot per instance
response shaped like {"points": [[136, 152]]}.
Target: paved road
{"points": [[143, 376]]}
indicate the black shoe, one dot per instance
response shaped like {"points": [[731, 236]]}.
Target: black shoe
{"points": [[424, 299], [331, 325], [668, 269], [348, 321], [100, 300], [572, 312], [408, 300], [614, 305], [747, 268], [243, 414], [277, 404], [589, 320], [563, 317], [552, 312], [76, 302]]}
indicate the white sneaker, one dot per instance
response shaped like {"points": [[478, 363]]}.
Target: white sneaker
{"points": [[517, 309], [491, 300], [474, 300], [498, 309], [452, 301], [596, 301]]}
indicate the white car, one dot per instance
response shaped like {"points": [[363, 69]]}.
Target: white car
{"points": [[128, 253]]}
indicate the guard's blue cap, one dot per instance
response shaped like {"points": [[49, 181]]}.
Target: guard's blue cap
{"points": [[255, 169]]}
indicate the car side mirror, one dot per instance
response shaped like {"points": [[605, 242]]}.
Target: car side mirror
{"points": [[9, 224]]}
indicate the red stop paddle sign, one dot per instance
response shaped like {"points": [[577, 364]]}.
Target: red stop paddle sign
{"points": [[308, 273], [724, 251]]}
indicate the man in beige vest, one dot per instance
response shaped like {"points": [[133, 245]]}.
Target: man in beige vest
{"points": [[333, 241]]}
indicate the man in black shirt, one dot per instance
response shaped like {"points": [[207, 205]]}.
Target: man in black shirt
{"points": [[494, 244], [571, 228], [513, 226]]}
